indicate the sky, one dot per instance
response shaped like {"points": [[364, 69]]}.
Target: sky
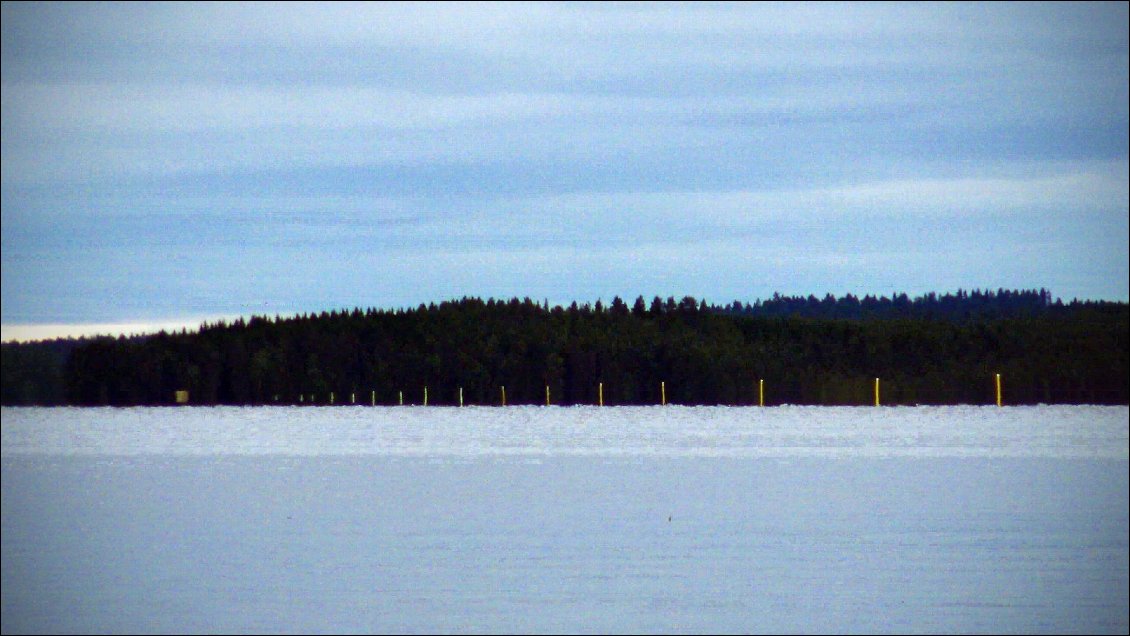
{"points": [[164, 164]]}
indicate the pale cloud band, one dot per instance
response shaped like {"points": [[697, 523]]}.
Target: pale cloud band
{"points": [[302, 156]]}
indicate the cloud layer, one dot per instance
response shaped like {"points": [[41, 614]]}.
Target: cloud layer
{"points": [[162, 161]]}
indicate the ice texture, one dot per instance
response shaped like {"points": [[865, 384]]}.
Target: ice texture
{"points": [[672, 431], [565, 520]]}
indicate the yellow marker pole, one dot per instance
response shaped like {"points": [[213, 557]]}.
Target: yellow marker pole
{"points": [[547, 395], [998, 389], [876, 391], [460, 396], [425, 395], [504, 395], [761, 392], [663, 393], [353, 398], [600, 393], [373, 398], [331, 398], [401, 395]]}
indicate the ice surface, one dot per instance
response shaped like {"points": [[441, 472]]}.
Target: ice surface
{"points": [[960, 431], [715, 520]]}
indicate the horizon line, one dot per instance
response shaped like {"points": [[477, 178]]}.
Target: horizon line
{"points": [[35, 332]]}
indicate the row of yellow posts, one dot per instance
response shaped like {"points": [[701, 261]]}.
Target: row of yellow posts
{"points": [[182, 396]]}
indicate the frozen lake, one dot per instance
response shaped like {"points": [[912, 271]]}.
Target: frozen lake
{"points": [[528, 519]]}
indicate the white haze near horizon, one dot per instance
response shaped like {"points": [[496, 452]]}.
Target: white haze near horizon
{"points": [[32, 333]]}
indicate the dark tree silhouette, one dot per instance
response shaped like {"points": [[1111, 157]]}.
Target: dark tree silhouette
{"points": [[928, 350]]}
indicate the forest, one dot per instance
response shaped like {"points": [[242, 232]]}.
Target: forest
{"points": [[799, 350]]}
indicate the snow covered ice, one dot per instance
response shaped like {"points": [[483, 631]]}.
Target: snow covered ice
{"points": [[534, 431], [579, 519]]}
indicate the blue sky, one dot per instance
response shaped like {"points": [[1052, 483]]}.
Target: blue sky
{"points": [[173, 162]]}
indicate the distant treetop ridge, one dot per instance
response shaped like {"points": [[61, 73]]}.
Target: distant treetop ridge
{"points": [[797, 350]]}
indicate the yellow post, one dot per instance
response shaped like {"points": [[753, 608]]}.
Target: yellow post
{"points": [[663, 393], [300, 398], [460, 396], [876, 391], [600, 393], [331, 398], [504, 395], [998, 389], [373, 398], [425, 395], [401, 395], [761, 392], [353, 398], [547, 395]]}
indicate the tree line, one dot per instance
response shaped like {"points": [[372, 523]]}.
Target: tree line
{"points": [[929, 350]]}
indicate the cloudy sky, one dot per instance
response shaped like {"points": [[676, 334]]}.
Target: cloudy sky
{"points": [[173, 162]]}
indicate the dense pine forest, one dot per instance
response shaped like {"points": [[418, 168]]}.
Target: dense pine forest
{"points": [[927, 350]]}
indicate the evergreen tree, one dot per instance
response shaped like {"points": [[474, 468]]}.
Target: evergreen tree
{"points": [[928, 350]]}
